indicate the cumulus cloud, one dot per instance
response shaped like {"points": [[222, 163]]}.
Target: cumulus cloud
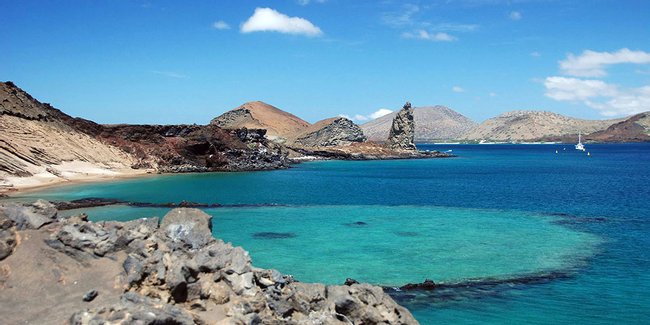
{"points": [[425, 35], [592, 64], [361, 118], [379, 113], [608, 99], [270, 20], [457, 89], [220, 25], [515, 15]]}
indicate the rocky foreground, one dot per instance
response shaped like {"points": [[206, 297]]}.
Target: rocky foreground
{"points": [[57, 270]]}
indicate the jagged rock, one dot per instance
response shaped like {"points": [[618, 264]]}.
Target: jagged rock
{"points": [[31, 216], [179, 274], [7, 236], [338, 131], [432, 123], [190, 228], [134, 309], [402, 131]]}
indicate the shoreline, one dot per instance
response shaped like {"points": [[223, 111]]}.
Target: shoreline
{"points": [[41, 184]]}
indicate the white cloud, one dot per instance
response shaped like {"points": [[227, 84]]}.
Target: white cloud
{"points": [[401, 18], [592, 64], [220, 25], [515, 15], [608, 99], [270, 20], [457, 89], [379, 113], [424, 35], [360, 117], [535, 54], [493, 94]]}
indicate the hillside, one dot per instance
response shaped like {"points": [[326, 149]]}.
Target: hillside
{"points": [[533, 126], [632, 129], [431, 123], [40, 145], [39, 140], [259, 115]]}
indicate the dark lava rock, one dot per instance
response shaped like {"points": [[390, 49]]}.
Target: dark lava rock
{"points": [[90, 295], [426, 285], [273, 235], [349, 282]]}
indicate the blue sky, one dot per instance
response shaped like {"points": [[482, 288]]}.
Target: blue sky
{"points": [[187, 62]]}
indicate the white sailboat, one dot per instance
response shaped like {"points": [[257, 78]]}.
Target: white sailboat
{"points": [[579, 145]]}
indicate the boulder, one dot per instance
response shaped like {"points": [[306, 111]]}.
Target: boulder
{"points": [[402, 132], [30, 216], [187, 228]]}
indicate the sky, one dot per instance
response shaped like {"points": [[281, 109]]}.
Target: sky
{"points": [[170, 62]]}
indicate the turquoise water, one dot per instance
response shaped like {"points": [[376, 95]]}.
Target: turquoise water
{"points": [[577, 225]]}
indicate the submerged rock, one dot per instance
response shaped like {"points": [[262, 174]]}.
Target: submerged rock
{"points": [[402, 132], [273, 235]]}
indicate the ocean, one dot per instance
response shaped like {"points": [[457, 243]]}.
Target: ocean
{"points": [[511, 233]]}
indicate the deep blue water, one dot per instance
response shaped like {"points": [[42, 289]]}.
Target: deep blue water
{"points": [[497, 211]]}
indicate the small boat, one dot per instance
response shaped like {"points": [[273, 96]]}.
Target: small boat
{"points": [[579, 145]]}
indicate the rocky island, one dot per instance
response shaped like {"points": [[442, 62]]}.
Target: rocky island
{"points": [[148, 271], [41, 145]]}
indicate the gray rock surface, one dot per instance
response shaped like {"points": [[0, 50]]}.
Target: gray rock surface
{"points": [[187, 227], [31, 216], [402, 132], [338, 131], [7, 236], [179, 274]]}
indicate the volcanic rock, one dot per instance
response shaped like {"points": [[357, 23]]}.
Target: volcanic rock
{"points": [[402, 132], [337, 131], [172, 274]]}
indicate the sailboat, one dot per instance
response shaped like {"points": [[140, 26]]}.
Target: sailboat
{"points": [[579, 145]]}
